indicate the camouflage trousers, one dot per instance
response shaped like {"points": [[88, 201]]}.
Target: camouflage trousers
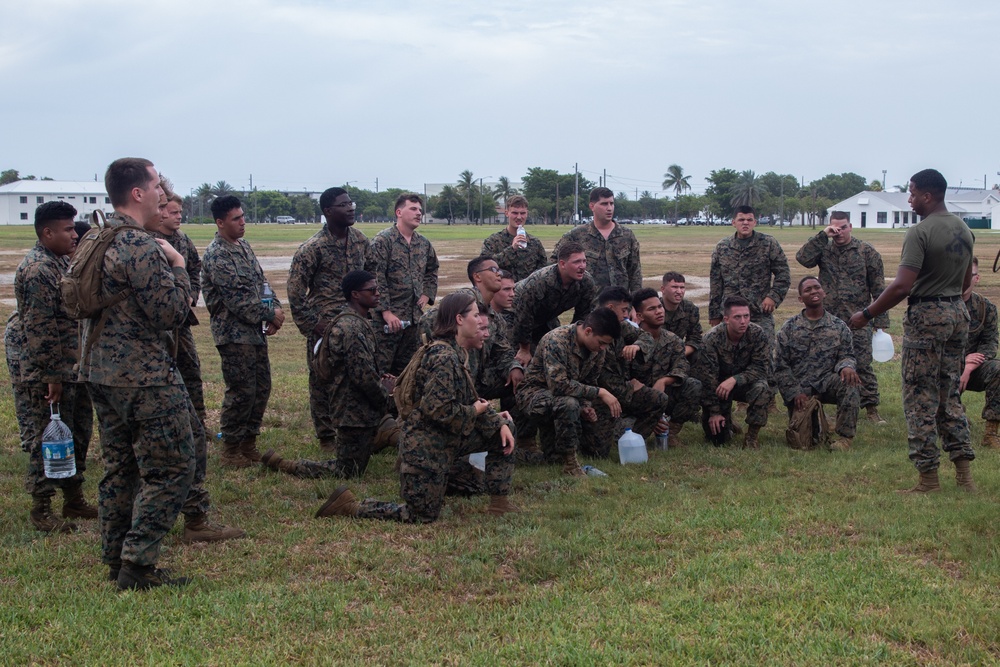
{"points": [[319, 398], [198, 501], [640, 412], [986, 378], [426, 458], [934, 337], [189, 366], [22, 410], [557, 419], [863, 363], [758, 397], [766, 322], [395, 350], [848, 402], [246, 370], [77, 412], [149, 464], [354, 449]]}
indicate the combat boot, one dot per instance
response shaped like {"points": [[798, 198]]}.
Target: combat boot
{"points": [[571, 465], [198, 529], [340, 503], [501, 505], [874, 417], [963, 475], [841, 444], [74, 504], [328, 445], [142, 577], [991, 438], [674, 435], [42, 518], [527, 451], [751, 441], [928, 483], [232, 457], [248, 448], [387, 435]]}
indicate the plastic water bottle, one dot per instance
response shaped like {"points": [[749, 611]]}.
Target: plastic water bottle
{"points": [[58, 454], [663, 439], [478, 461], [882, 347], [594, 472], [267, 298], [632, 448], [522, 237], [402, 325]]}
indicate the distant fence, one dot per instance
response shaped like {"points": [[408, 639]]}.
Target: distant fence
{"points": [[978, 223]]}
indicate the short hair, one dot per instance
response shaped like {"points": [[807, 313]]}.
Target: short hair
{"points": [[673, 277], [643, 294], [603, 322], [168, 187], [930, 181], [354, 281], [506, 275], [735, 301], [124, 174], [52, 211], [329, 195], [476, 265], [223, 205], [744, 209], [569, 248], [840, 215], [600, 193], [405, 197], [804, 279], [81, 227], [176, 198], [614, 294], [517, 200], [450, 307]]}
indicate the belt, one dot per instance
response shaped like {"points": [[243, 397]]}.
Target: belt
{"points": [[913, 300]]}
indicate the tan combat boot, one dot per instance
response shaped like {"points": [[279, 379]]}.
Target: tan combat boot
{"points": [[74, 504], [674, 435], [991, 438], [841, 444], [751, 440], [271, 460], [963, 475], [387, 435], [501, 505], [232, 456], [874, 417], [340, 503], [42, 518], [248, 448], [571, 466], [928, 483], [198, 529]]}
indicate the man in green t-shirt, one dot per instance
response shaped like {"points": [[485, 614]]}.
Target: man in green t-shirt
{"points": [[934, 270]]}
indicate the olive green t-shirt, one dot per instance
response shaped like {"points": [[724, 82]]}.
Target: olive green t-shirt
{"points": [[939, 248]]}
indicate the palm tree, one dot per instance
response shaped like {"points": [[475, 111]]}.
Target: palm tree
{"points": [[465, 183], [676, 180], [747, 190], [222, 188], [503, 190], [450, 196]]}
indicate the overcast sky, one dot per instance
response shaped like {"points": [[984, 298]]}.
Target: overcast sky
{"points": [[305, 95]]}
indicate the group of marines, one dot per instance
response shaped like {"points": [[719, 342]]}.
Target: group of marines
{"points": [[632, 357]]}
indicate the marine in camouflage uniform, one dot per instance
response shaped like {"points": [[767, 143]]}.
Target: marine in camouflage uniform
{"points": [[48, 356], [13, 340], [141, 402], [233, 284], [521, 262], [684, 322], [982, 368], [542, 297], [852, 276], [666, 359], [315, 296], [405, 273], [610, 261]]}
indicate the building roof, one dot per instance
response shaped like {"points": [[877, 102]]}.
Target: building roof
{"points": [[54, 188]]}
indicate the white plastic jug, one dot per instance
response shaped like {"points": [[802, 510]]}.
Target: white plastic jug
{"points": [[882, 348], [632, 448], [478, 461]]}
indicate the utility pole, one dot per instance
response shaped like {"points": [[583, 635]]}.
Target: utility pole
{"points": [[781, 207], [884, 186], [481, 201], [576, 192], [557, 202], [376, 185], [604, 181]]}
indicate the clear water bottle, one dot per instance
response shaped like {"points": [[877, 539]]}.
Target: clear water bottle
{"points": [[402, 325], [267, 298], [522, 237], [594, 472], [663, 439], [58, 454]]}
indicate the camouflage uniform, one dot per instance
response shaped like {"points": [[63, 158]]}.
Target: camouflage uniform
{"points": [[935, 331], [749, 361], [745, 267], [667, 359], [852, 277], [521, 262], [809, 357], [49, 353], [685, 322], [315, 297], [13, 341], [405, 272], [983, 339], [442, 428], [233, 282], [541, 298], [140, 399], [611, 261]]}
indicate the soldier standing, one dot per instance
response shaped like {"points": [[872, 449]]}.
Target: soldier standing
{"points": [[315, 295], [815, 358], [680, 315], [935, 269], [234, 286], [852, 276], [982, 368], [141, 402], [521, 255], [406, 267]]}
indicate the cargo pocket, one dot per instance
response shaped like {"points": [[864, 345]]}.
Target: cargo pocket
{"points": [[915, 361]]}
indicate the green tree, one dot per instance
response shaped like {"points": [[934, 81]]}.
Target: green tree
{"points": [[675, 180], [305, 208], [222, 188], [9, 176], [747, 190], [875, 186], [271, 204], [443, 205], [503, 190], [720, 182], [465, 186], [838, 187], [540, 187]]}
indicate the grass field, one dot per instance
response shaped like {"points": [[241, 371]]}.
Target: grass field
{"points": [[701, 556]]}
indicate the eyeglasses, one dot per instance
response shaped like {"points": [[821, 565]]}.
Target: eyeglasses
{"points": [[345, 204], [491, 269], [373, 290]]}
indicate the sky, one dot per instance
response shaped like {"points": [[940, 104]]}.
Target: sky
{"points": [[306, 95]]}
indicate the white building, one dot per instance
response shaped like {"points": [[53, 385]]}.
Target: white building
{"points": [[19, 200], [887, 210]]}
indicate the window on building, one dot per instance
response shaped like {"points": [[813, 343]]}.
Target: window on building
{"points": [[72, 196], [895, 218], [93, 200], [107, 200], [864, 219], [39, 200], [24, 200], [24, 216], [882, 218]]}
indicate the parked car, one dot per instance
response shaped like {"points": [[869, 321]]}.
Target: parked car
{"points": [[285, 220]]}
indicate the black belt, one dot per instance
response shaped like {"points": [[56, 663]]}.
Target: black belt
{"points": [[913, 300]]}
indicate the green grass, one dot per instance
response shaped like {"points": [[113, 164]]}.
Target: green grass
{"points": [[702, 556]]}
